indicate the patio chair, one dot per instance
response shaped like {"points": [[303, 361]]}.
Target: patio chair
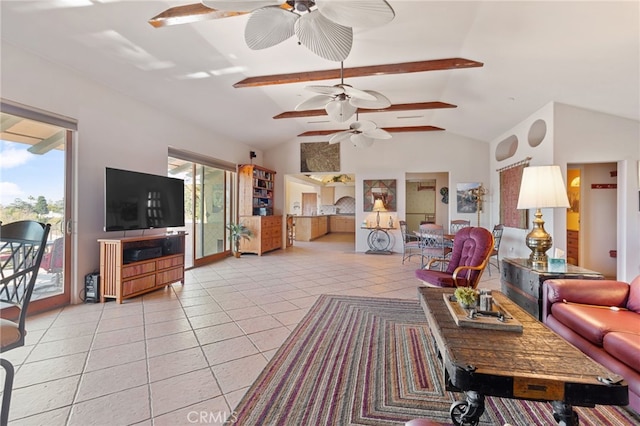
{"points": [[22, 245], [471, 249], [52, 261]]}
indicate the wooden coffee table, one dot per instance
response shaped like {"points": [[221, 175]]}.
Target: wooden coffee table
{"points": [[533, 364]]}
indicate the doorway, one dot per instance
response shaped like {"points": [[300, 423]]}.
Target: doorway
{"points": [[425, 202], [592, 216]]}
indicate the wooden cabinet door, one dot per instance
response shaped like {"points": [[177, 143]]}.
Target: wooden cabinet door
{"points": [[327, 195], [309, 203]]}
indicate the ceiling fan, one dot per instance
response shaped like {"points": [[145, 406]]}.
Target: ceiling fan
{"points": [[342, 101], [323, 26], [361, 133]]}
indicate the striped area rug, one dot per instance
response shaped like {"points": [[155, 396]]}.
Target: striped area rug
{"points": [[370, 361]]}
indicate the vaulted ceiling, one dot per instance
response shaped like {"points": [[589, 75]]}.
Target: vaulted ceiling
{"points": [[526, 54]]}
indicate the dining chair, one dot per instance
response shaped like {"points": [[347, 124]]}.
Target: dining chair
{"points": [[457, 225], [432, 243], [495, 253], [471, 249], [410, 243], [22, 246]]}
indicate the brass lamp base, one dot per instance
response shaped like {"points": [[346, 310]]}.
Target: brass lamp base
{"points": [[539, 241]]}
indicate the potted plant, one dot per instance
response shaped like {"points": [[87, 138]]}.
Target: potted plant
{"points": [[237, 231], [466, 296]]}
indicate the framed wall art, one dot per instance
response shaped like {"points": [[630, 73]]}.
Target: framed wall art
{"points": [[383, 189], [319, 157], [466, 199]]}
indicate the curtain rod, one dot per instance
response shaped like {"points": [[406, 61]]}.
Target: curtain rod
{"points": [[525, 161]]}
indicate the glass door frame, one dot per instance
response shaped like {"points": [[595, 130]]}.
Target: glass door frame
{"points": [[229, 196], [69, 126]]}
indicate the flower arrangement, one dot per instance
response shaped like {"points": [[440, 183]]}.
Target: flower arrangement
{"points": [[466, 296]]}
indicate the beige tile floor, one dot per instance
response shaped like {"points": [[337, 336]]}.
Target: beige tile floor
{"points": [[187, 354]]}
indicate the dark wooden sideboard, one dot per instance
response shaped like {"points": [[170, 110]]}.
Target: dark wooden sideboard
{"points": [[523, 284]]}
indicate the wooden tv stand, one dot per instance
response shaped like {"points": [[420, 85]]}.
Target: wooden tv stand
{"points": [[122, 277]]}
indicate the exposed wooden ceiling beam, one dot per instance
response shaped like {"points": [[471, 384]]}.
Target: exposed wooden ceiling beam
{"points": [[392, 108], [187, 14], [366, 71], [388, 129]]}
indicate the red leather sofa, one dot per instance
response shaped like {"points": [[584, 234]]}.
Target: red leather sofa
{"points": [[602, 319]]}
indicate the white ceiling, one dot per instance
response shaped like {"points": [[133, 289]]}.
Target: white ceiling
{"points": [[580, 53]]}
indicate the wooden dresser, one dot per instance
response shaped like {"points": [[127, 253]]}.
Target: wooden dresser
{"points": [[267, 234], [255, 208], [523, 284]]}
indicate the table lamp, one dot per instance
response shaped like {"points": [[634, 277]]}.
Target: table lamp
{"points": [[541, 187], [378, 206]]}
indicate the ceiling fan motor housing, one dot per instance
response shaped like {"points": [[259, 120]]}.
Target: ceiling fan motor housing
{"points": [[301, 5]]}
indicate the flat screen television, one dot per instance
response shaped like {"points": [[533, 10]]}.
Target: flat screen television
{"points": [[135, 200]]}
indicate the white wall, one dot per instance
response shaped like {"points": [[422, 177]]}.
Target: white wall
{"points": [[591, 137], [513, 239], [113, 130], [575, 135], [294, 194], [466, 160]]}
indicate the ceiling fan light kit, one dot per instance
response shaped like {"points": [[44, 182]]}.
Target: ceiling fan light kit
{"points": [[340, 110], [342, 101], [361, 133]]}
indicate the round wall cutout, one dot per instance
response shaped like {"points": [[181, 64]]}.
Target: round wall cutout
{"points": [[537, 132], [507, 148]]}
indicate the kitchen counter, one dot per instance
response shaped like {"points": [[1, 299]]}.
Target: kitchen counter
{"points": [[309, 228], [342, 223]]}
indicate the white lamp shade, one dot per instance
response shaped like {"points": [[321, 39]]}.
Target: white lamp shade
{"points": [[378, 205], [542, 187]]}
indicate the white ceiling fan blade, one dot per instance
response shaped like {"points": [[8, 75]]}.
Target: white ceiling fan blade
{"points": [[363, 126], [318, 101], [357, 13], [240, 5], [361, 141], [380, 101], [324, 37], [377, 133], [327, 90], [340, 136], [269, 26], [357, 93], [340, 110]]}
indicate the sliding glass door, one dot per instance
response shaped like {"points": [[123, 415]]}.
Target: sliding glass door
{"points": [[35, 165], [209, 191]]}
